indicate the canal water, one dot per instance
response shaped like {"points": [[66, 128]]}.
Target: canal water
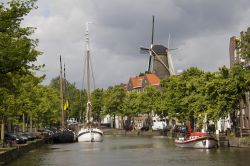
{"points": [[132, 151]]}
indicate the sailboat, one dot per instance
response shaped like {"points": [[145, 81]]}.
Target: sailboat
{"points": [[64, 134], [89, 132]]}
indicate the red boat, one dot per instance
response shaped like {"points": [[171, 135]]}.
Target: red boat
{"points": [[196, 140]]}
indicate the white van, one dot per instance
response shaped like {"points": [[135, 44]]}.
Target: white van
{"points": [[159, 123]]}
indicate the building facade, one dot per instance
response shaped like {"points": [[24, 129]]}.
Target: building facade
{"points": [[138, 83], [235, 54]]}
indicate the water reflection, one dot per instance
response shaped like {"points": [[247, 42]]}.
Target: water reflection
{"points": [[127, 151]]}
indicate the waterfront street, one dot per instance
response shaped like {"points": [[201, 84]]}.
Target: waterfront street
{"points": [[132, 150]]}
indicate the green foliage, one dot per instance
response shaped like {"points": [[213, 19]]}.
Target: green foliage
{"points": [[195, 93], [245, 47], [17, 50], [47, 110], [131, 105], [113, 100], [97, 98], [148, 100], [74, 97], [20, 92]]}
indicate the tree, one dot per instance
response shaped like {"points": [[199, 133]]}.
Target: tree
{"points": [[245, 47], [17, 50], [131, 104], [149, 98], [97, 98], [113, 102], [181, 94]]}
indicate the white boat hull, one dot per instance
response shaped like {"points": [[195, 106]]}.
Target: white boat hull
{"points": [[90, 135], [201, 143]]}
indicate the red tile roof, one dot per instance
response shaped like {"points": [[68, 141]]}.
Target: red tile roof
{"points": [[152, 79], [136, 81], [141, 81]]}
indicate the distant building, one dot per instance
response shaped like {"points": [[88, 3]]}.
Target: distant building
{"points": [[138, 83], [235, 49], [151, 79], [135, 83]]}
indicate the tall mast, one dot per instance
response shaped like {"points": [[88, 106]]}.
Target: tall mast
{"points": [[61, 93], [88, 61], [88, 114]]}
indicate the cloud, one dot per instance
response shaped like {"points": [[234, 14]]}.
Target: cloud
{"points": [[200, 29]]}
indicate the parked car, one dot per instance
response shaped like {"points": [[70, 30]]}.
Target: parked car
{"points": [[15, 138], [30, 136], [22, 136]]}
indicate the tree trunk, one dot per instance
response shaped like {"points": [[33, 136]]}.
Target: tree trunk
{"points": [[241, 116], [31, 123], [2, 131], [122, 122], [23, 129], [114, 126]]}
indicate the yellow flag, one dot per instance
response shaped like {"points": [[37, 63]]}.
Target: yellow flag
{"points": [[66, 105]]}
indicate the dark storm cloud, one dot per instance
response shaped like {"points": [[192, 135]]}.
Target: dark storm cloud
{"points": [[199, 28]]}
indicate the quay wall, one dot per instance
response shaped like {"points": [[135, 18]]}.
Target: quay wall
{"points": [[133, 132], [242, 142], [11, 153]]}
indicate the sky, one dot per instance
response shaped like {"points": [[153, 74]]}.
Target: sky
{"points": [[200, 29]]}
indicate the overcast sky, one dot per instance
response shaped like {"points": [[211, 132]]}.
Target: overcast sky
{"points": [[200, 29]]}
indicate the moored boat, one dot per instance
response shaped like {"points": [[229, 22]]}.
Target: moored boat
{"points": [[64, 136], [196, 140], [88, 132]]}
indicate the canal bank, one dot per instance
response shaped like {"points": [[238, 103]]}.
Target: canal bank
{"points": [[108, 131], [8, 154], [243, 142]]}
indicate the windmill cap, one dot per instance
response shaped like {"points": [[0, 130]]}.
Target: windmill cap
{"points": [[160, 49]]}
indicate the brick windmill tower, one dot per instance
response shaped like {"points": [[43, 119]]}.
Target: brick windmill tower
{"points": [[160, 60]]}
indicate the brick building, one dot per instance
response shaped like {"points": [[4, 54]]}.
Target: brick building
{"points": [[235, 50]]}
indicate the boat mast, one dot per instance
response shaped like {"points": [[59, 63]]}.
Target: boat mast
{"points": [[61, 94], [88, 113]]}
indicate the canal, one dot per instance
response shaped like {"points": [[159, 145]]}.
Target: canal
{"points": [[132, 151]]}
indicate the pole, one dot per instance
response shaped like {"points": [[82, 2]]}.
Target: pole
{"points": [[23, 122], [2, 131], [61, 94]]}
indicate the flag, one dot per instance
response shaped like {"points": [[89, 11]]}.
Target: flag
{"points": [[66, 105]]}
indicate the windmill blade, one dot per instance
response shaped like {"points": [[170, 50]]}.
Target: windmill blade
{"points": [[150, 67], [171, 64], [153, 25], [149, 63], [144, 50]]}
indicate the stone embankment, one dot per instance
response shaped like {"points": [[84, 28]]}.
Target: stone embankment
{"points": [[133, 132], [242, 142], [7, 154]]}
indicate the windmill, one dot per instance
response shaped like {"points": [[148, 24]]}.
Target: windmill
{"points": [[160, 60]]}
